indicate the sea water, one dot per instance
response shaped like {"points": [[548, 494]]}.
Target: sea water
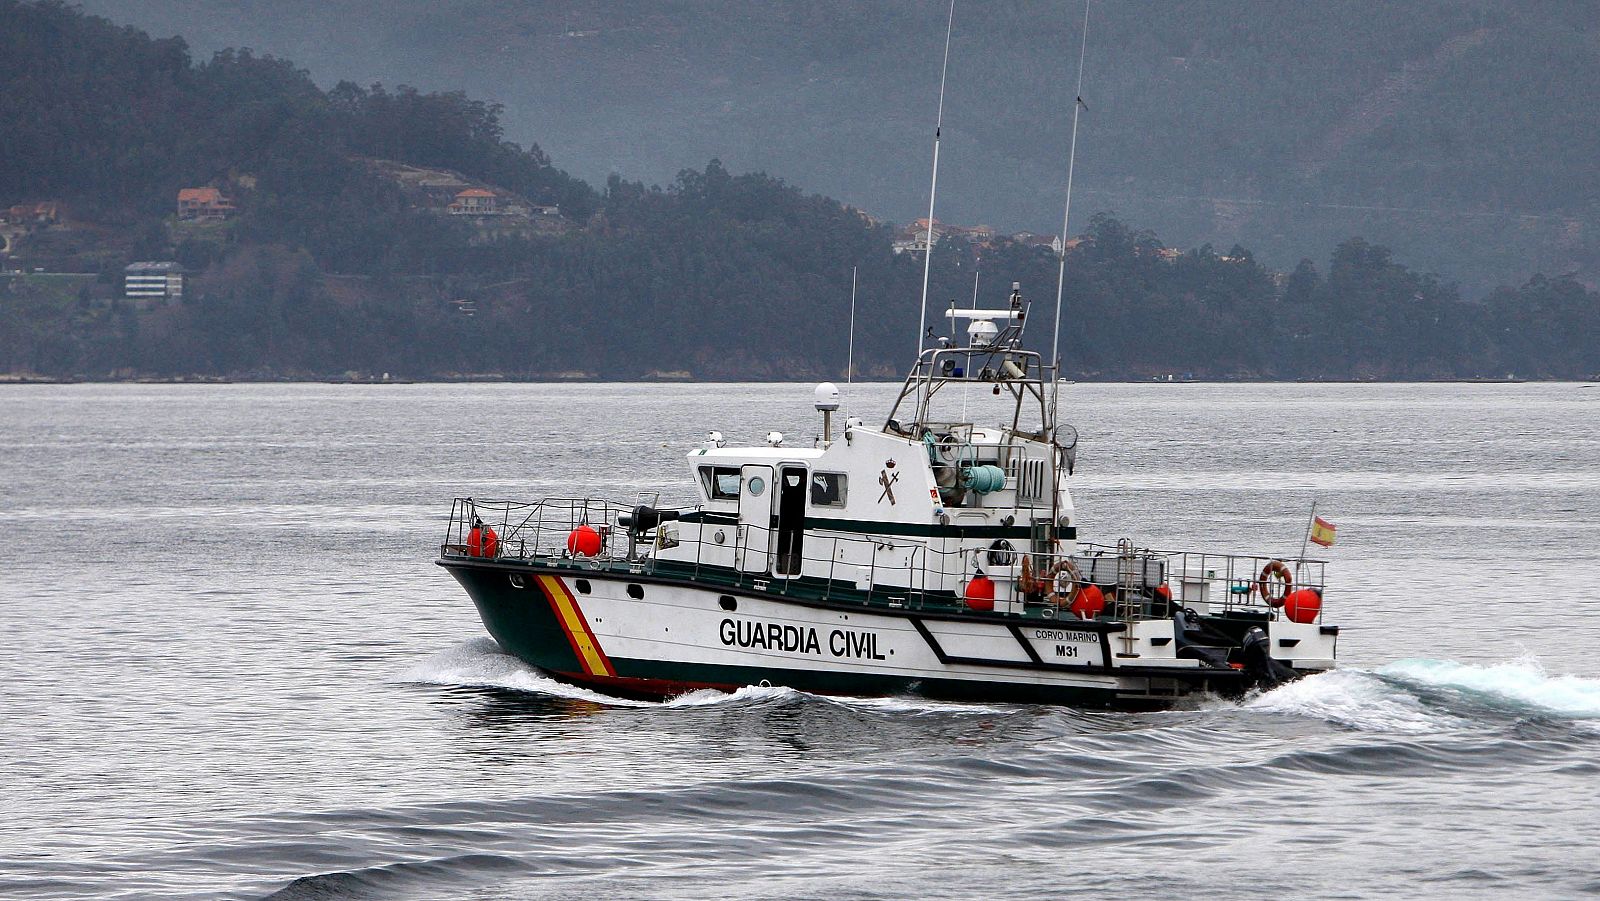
{"points": [[231, 669]]}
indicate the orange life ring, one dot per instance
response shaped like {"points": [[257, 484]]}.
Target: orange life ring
{"points": [[1050, 578], [1284, 583]]}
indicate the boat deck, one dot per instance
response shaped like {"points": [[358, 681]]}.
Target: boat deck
{"points": [[1138, 583]]}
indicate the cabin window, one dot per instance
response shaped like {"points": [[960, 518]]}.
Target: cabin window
{"points": [[827, 489], [721, 482]]}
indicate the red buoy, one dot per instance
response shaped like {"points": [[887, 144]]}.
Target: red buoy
{"points": [[980, 593], [1089, 602], [1302, 605], [583, 541], [482, 541]]}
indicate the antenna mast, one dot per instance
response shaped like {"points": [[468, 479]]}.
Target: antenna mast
{"points": [[927, 254], [1072, 158], [850, 355]]}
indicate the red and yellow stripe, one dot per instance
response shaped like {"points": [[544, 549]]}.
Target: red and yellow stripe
{"points": [[581, 637]]}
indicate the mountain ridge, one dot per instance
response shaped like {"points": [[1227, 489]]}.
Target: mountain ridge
{"points": [[1202, 113], [300, 257]]}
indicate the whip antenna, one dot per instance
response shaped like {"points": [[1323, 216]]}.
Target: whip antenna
{"points": [[850, 355], [1072, 158], [938, 126]]}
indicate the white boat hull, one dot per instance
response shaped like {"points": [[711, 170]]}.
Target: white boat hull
{"points": [[646, 635]]}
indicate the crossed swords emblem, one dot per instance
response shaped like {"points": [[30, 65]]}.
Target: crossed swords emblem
{"points": [[887, 481]]}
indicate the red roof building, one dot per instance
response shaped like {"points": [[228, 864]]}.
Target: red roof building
{"points": [[474, 202], [45, 213], [203, 205]]}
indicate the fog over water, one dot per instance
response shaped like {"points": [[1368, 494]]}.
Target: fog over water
{"points": [[233, 670]]}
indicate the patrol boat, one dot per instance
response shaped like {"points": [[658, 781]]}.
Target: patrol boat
{"points": [[936, 553]]}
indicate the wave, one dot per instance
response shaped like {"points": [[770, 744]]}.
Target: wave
{"points": [[1522, 684], [386, 880], [480, 663], [1415, 696], [750, 694], [1418, 696], [1356, 699]]}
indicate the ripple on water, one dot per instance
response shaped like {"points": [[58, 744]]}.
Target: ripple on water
{"points": [[236, 671]]}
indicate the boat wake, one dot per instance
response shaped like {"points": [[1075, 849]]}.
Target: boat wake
{"points": [[1520, 686], [1355, 699], [480, 663], [1420, 696], [1407, 697]]}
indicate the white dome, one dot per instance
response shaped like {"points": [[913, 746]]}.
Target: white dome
{"points": [[827, 396]]}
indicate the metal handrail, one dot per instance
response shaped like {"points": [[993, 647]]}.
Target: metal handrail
{"points": [[540, 530]]}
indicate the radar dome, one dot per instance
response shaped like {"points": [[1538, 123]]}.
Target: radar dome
{"points": [[982, 332], [827, 395]]}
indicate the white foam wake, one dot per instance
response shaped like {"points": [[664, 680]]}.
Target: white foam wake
{"points": [[480, 663], [750, 694], [1522, 683], [1355, 699], [903, 705], [1394, 697]]}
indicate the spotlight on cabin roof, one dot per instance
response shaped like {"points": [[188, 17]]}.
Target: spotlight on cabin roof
{"points": [[827, 397]]}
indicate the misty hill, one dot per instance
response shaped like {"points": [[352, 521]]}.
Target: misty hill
{"points": [[1459, 132], [356, 230]]}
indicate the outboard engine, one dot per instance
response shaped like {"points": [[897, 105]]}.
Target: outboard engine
{"points": [[1256, 652], [1196, 642]]}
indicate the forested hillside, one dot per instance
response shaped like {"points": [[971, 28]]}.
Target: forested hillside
{"points": [[1459, 132], [329, 264]]}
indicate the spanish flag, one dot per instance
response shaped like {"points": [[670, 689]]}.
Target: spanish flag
{"points": [[1322, 532]]}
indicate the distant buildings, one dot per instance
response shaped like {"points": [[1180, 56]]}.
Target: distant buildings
{"points": [[147, 282], [913, 238], [1050, 242], [474, 202], [493, 213], [500, 215], [47, 212], [203, 205]]}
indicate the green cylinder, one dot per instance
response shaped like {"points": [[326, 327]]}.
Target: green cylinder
{"points": [[983, 479]]}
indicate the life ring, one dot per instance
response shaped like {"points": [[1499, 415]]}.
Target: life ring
{"points": [[1274, 590], [1050, 582]]}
